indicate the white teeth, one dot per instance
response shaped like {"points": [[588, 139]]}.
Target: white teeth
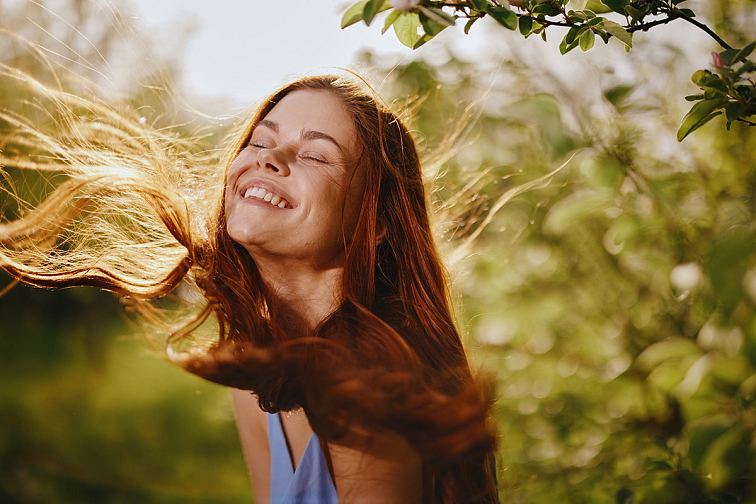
{"points": [[260, 193]]}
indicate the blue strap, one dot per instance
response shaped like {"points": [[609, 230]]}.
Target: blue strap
{"points": [[310, 483]]}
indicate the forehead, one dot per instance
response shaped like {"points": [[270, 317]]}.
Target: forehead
{"points": [[314, 110]]}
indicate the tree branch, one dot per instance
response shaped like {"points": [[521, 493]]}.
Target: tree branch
{"points": [[646, 26]]}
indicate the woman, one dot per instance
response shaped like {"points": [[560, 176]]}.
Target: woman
{"points": [[329, 296]]}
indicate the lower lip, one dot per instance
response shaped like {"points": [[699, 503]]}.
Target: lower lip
{"points": [[262, 204]]}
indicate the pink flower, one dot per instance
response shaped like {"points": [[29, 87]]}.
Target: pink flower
{"points": [[717, 59], [403, 5]]}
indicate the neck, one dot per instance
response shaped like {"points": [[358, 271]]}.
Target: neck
{"points": [[301, 294]]}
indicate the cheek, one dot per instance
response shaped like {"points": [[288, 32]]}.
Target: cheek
{"points": [[231, 179]]}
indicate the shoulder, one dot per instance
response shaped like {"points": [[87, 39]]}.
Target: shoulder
{"points": [[252, 423], [376, 468]]}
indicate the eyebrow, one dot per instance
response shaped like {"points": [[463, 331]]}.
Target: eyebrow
{"points": [[305, 134]]}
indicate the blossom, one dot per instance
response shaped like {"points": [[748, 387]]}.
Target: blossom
{"points": [[403, 5], [717, 59]]}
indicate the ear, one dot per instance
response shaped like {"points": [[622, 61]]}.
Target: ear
{"points": [[380, 228]]}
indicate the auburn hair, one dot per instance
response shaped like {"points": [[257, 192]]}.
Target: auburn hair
{"points": [[389, 356]]}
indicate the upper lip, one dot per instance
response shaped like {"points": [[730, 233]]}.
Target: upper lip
{"points": [[268, 186]]}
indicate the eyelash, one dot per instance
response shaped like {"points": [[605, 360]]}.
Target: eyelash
{"points": [[307, 155], [315, 158]]}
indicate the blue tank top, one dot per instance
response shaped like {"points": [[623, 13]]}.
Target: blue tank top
{"points": [[311, 482]]}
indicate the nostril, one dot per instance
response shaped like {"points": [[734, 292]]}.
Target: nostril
{"points": [[275, 169]]}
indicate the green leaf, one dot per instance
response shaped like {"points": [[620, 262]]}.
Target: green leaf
{"points": [[595, 21], [423, 39], [577, 16], [734, 110], [688, 13], [699, 75], [571, 35], [615, 30], [393, 16], [701, 113], [504, 17], [586, 40], [430, 26], [469, 24], [743, 90], [545, 8], [481, 5], [712, 93], [405, 28], [526, 24], [565, 47], [746, 51], [597, 6], [372, 8], [728, 56], [438, 16], [694, 97], [354, 14], [617, 6], [634, 13], [747, 67], [714, 83]]}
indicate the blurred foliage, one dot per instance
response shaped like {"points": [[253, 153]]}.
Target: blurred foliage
{"points": [[616, 304], [88, 415]]}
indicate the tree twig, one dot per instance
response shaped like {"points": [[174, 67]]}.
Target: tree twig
{"points": [[651, 24], [749, 123]]}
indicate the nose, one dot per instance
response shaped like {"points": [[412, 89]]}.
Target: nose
{"points": [[273, 160]]}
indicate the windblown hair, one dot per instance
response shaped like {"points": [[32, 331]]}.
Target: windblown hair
{"points": [[137, 219]]}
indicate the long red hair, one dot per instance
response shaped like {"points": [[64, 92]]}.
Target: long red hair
{"points": [[390, 356]]}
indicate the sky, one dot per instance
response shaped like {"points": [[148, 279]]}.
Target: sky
{"points": [[244, 49]]}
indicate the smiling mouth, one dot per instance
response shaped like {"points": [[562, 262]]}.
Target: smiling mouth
{"points": [[264, 195]]}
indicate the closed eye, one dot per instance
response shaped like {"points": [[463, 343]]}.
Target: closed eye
{"points": [[259, 145], [260, 142], [314, 157]]}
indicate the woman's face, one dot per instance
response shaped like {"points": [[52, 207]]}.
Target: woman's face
{"points": [[294, 190]]}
